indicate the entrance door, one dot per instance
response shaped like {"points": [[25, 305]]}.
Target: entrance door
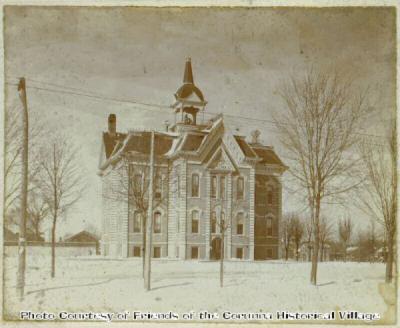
{"points": [[216, 249]]}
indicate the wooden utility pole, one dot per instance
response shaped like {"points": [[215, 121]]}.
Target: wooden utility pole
{"points": [[149, 223], [24, 192]]}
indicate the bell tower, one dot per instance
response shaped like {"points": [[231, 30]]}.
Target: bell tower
{"points": [[189, 101]]}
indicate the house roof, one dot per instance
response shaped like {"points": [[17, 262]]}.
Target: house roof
{"points": [[267, 155], [82, 237], [244, 146], [192, 142]]}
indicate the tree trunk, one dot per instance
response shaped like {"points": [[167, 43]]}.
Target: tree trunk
{"points": [[389, 260], [143, 243], [53, 248], [314, 263], [221, 263]]}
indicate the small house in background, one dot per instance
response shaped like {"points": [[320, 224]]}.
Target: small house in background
{"points": [[84, 238]]}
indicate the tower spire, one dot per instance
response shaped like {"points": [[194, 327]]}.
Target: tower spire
{"points": [[188, 75]]}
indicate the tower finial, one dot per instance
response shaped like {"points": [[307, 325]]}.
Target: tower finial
{"points": [[188, 75]]}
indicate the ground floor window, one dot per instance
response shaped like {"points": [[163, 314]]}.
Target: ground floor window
{"points": [[157, 252], [136, 251], [195, 252], [239, 253]]}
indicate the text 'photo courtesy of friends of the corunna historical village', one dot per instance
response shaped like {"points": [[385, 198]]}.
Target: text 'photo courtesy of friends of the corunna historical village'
{"points": [[199, 164]]}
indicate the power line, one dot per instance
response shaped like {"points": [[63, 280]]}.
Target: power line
{"points": [[159, 106]]}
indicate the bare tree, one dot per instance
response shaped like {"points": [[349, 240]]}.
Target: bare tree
{"points": [[325, 233], [60, 183], [379, 192], [13, 150], [318, 130], [345, 233], [37, 212], [133, 186], [296, 226], [223, 224], [287, 233]]}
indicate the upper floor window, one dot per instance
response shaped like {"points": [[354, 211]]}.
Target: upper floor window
{"points": [[213, 186], [158, 187], [157, 222], [213, 222], [270, 195], [222, 188], [195, 221], [239, 224], [195, 185], [137, 222], [269, 226], [240, 188], [137, 185]]}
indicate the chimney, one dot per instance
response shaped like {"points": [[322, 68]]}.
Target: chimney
{"points": [[112, 124], [255, 136]]}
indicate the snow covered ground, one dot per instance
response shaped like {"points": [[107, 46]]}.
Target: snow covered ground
{"points": [[98, 284]]}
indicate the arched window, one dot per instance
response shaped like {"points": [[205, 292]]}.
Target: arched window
{"points": [[195, 221], [157, 222], [240, 188], [270, 195], [239, 224], [195, 185], [213, 222]]}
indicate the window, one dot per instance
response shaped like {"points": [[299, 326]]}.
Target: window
{"points": [[222, 223], [240, 188], [270, 196], [137, 185], [195, 222], [213, 222], [239, 224], [157, 252], [136, 251], [213, 186], [157, 222], [222, 188], [239, 253], [269, 226], [158, 188], [137, 222], [195, 253], [195, 185]]}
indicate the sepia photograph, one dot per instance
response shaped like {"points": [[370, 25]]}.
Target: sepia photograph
{"points": [[189, 164]]}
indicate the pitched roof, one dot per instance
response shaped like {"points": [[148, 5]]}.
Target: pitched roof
{"points": [[267, 155], [192, 142], [140, 142], [244, 146], [111, 141]]}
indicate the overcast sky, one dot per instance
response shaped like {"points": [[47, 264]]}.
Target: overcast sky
{"points": [[240, 58]]}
